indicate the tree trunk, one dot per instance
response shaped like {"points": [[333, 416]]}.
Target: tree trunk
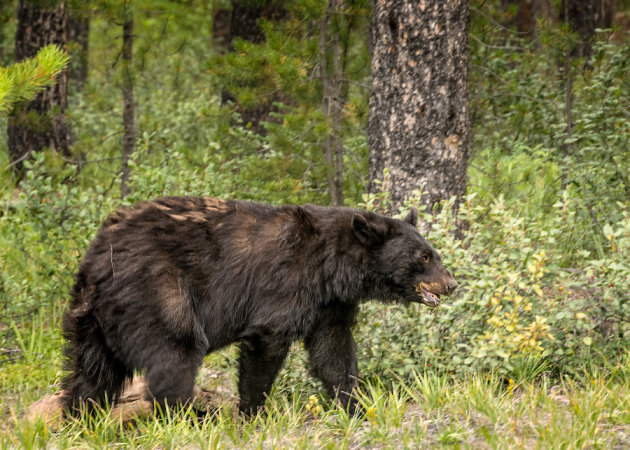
{"points": [[221, 23], [584, 16], [41, 123], [334, 95], [244, 23], [78, 36], [333, 47], [418, 123], [568, 109], [129, 125], [522, 14], [246, 15], [7, 12]]}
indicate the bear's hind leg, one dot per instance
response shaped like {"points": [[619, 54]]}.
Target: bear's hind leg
{"points": [[95, 373], [171, 378]]}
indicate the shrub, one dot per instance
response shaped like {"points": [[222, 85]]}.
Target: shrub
{"points": [[517, 301]]}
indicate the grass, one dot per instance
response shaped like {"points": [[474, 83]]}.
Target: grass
{"points": [[431, 409]]}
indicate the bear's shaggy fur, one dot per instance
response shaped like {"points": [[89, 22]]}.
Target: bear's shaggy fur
{"points": [[168, 281]]}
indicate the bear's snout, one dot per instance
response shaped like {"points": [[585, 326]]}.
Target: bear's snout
{"points": [[451, 284]]}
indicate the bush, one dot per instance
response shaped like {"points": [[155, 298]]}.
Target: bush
{"points": [[520, 303], [517, 305]]}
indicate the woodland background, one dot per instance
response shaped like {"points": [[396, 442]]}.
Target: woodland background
{"points": [[507, 122]]}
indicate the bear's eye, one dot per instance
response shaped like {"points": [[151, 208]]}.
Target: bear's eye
{"points": [[424, 259]]}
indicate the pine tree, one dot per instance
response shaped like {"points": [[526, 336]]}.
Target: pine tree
{"points": [[245, 23], [22, 81], [78, 37], [42, 122], [129, 123], [334, 43], [584, 17]]}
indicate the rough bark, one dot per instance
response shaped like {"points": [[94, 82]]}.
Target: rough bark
{"points": [[129, 125], [584, 16], [418, 124], [41, 123], [78, 37]]}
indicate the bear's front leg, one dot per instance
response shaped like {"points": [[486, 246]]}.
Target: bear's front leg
{"points": [[261, 357], [332, 353]]}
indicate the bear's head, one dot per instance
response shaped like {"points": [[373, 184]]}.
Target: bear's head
{"points": [[402, 264]]}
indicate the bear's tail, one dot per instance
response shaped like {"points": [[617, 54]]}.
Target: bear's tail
{"points": [[95, 374]]}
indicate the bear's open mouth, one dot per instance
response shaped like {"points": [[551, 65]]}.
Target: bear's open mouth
{"points": [[428, 297]]}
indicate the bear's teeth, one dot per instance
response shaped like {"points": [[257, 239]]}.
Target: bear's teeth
{"points": [[430, 299]]}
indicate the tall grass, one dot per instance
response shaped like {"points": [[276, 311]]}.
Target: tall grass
{"points": [[481, 410]]}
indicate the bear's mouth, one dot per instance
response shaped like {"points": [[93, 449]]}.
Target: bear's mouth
{"points": [[427, 297]]}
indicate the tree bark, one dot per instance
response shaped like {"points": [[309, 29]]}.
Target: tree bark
{"points": [[41, 123], [129, 124], [78, 35], [418, 123]]}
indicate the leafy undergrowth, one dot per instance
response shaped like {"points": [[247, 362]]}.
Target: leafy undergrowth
{"points": [[478, 410]]}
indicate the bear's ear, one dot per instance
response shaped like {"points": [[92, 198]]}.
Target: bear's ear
{"points": [[366, 231], [412, 217]]}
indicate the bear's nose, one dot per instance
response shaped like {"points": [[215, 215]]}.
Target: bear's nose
{"points": [[451, 285]]}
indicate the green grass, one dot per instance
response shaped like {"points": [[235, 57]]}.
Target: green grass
{"points": [[479, 410], [428, 409]]}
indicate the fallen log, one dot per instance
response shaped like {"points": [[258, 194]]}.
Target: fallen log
{"points": [[130, 406]]}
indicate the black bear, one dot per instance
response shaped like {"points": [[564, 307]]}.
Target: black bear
{"points": [[168, 281]]}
